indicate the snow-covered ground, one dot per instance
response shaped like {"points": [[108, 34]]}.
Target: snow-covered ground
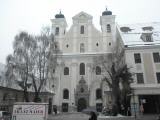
{"points": [[118, 117]]}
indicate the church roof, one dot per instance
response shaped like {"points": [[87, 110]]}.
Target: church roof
{"points": [[131, 34], [60, 15], [82, 15], [106, 12]]}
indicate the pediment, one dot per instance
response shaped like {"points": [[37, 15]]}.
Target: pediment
{"points": [[82, 15]]}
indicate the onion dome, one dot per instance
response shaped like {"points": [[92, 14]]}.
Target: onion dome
{"points": [[106, 12], [60, 15]]}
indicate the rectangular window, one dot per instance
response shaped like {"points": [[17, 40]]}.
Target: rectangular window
{"points": [[99, 107], [158, 77], [57, 31], [98, 93], [156, 57], [108, 28], [82, 29], [137, 58], [140, 78], [148, 38]]}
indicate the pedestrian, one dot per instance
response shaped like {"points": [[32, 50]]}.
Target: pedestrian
{"points": [[122, 110], [128, 111], [141, 109], [93, 116], [55, 110]]}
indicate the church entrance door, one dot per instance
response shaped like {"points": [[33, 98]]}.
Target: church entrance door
{"points": [[82, 104]]}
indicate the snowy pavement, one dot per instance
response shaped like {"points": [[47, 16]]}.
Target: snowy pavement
{"points": [[81, 116]]}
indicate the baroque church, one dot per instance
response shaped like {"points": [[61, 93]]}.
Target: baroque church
{"points": [[78, 86]]}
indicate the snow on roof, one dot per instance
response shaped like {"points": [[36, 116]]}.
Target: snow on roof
{"points": [[131, 34]]}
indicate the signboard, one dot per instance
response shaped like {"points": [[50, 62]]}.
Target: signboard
{"points": [[30, 111]]}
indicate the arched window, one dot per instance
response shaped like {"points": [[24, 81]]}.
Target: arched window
{"points": [[57, 31], [98, 93], [66, 71], [108, 28], [82, 69], [98, 70], [82, 49], [82, 29], [65, 94]]}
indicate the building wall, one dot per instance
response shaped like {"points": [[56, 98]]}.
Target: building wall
{"points": [[95, 42], [147, 65], [99, 43], [9, 95], [71, 81], [150, 88]]}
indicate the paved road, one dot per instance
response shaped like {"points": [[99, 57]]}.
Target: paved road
{"points": [[147, 117], [69, 116], [80, 116]]}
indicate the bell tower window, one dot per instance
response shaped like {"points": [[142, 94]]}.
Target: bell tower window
{"points": [[57, 31], [108, 28], [82, 29]]}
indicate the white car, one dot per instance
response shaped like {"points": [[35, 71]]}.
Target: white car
{"points": [[4, 115]]}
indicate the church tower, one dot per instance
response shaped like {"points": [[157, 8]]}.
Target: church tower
{"points": [[59, 26], [108, 27]]}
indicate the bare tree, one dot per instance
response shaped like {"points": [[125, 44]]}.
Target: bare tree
{"points": [[9, 72], [116, 72], [33, 61], [19, 65], [45, 61]]}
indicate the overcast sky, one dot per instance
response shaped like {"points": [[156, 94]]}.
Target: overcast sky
{"points": [[32, 15]]}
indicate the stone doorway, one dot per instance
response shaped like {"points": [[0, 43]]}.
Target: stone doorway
{"points": [[64, 107], [82, 95], [82, 104]]}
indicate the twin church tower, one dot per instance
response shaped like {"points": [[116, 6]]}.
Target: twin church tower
{"points": [[77, 84]]}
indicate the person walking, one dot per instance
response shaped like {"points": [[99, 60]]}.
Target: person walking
{"points": [[93, 116], [141, 109]]}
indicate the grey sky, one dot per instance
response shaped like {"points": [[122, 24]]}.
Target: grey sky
{"points": [[31, 15]]}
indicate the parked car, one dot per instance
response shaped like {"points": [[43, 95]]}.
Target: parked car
{"points": [[4, 115]]}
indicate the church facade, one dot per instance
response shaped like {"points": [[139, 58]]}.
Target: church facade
{"points": [[78, 82]]}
